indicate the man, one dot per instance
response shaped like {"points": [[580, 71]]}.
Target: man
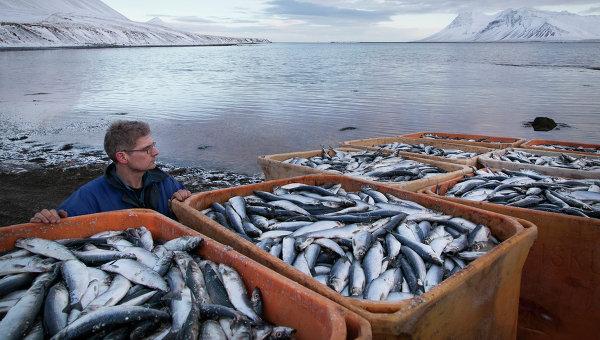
{"points": [[132, 180]]}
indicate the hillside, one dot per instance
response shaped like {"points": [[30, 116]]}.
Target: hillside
{"points": [[75, 23], [524, 24]]}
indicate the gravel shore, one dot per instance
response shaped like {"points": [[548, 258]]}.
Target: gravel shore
{"points": [[26, 192]]}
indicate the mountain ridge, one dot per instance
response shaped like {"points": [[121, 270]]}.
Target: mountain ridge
{"points": [[89, 23], [523, 24]]}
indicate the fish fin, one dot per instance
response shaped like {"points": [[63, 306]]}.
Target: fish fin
{"points": [[77, 306], [171, 295]]}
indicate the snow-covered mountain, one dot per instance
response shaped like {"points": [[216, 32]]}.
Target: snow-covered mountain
{"points": [[524, 24], [156, 21], [70, 23]]}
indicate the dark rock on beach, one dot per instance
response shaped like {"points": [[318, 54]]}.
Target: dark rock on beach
{"points": [[66, 147], [13, 139]]}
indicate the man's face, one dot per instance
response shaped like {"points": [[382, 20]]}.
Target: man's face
{"points": [[143, 156]]}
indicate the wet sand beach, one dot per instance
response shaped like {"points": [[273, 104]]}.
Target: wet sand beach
{"points": [[27, 192]]}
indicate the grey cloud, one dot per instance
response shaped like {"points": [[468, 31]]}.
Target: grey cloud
{"points": [[453, 6], [591, 10], [395, 7], [193, 18], [161, 15]]}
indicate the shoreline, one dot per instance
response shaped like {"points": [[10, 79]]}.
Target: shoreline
{"points": [[24, 48], [27, 192]]}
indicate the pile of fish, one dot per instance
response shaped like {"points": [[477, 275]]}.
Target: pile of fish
{"points": [[529, 189], [562, 161], [434, 136], [569, 148], [365, 245], [429, 150], [120, 285], [369, 165]]}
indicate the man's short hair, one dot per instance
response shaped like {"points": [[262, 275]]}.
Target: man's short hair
{"points": [[122, 135]]}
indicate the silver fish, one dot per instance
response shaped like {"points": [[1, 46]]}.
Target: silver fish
{"points": [[116, 291], [338, 277], [136, 272], [372, 262], [361, 242], [77, 279], [109, 317], [29, 264], [21, 316], [44, 247], [379, 288], [237, 292]]}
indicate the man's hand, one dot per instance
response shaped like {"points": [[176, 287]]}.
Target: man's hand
{"points": [[181, 195], [48, 216]]}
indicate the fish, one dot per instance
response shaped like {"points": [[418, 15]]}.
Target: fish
{"points": [[562, 147], [21, 316], [424, 149], [565, 161], [370, 165], [77, 279], [435, 275], [257, 302], [532, 190], [99, 256], [184, 243], [282, 332], [140, 237], [136, 272], [237, 292], [46, 248], [372, 262], [211, 329], [216, 290], [107, 318], [117, 290], [28, 264], [380, 288], [350, 246], [11, 283], [456, 138], [65, 299], [338, 277], [357, 279]]}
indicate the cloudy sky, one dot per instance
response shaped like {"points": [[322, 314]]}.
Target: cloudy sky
{"points": [[326, 20]]}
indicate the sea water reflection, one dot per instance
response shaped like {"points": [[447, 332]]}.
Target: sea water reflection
{"points": [[221, 107]]}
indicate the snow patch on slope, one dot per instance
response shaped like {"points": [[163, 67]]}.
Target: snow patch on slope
{"points": [[524, 24], [34, 10], [71, 23]]}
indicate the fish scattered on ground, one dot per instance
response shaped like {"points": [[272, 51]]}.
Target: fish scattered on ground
{"points": [[561, 161], [370, 165], [423, 149], [78, 288], [365, 245], [529, 189]]}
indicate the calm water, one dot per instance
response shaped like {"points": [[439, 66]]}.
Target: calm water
{"points": [[221, 107]]}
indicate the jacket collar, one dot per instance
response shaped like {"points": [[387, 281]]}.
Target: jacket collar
{"points": [[151, 176]]}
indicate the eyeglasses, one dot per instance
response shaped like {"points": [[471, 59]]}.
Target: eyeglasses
{"points": [[146, 149]]}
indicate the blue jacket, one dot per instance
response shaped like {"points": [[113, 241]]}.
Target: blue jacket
{"points": [[108, 193]]}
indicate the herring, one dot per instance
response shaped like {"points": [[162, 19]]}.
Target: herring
{"points": [[136, 272]]}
